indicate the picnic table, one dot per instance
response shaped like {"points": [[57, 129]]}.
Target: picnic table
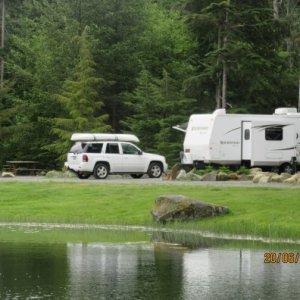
{"points": [[22, 167]]}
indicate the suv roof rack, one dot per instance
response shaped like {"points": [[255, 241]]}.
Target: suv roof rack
{"points": [[89, 137]]}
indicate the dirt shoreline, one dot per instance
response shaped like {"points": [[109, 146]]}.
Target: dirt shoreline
{"points": [[205, 234]]}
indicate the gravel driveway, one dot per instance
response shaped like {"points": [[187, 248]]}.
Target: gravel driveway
{"points": [[145, 181]]}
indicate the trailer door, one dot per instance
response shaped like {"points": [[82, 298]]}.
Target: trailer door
{"points": [[246, 140]]}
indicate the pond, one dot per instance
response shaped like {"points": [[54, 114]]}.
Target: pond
{"points": [[91, 264]]}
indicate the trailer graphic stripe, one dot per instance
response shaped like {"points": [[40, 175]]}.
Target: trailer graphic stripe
{"points": [[262, 127], [233, 130], [291, 148]]}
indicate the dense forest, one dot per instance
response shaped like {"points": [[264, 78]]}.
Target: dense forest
{"points": [[139, 66]]}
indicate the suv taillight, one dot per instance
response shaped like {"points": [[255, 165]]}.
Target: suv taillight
{"points": [[85, 158]]}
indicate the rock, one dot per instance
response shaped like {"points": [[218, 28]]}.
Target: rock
{"points": [[182, 208], [181, 175], [265, 179], [285, 176], [244, 177], [7, 175], [192, 176], [221, 176], [276, 178], [233, 176], [54, 174], [291, 180], [59, 174], [257, 177], [69, 174], [212, 176], [172, 174], [255, 170]]}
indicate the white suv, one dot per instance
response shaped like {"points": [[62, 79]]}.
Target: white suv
{"points": [[101, 158]]}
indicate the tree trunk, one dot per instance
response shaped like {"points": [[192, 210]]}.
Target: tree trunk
{"points": [[275, 9], [224, 84], [219, 83], [2, 41], [225, 68]]}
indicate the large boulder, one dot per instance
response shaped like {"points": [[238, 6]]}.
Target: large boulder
{"points": [[182, 208]]}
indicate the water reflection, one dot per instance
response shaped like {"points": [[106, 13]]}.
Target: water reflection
{"points": [[225, 274], [162, 272], [29, 271], [124, 271], [141, 271]]}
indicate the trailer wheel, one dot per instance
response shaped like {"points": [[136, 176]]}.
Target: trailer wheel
{"points": [[286, 168]]}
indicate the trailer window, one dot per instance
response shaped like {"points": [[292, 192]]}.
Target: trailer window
{"points": [[247, 134], [273, 134]]}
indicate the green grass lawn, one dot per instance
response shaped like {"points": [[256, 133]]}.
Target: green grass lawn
{"points": [[268, 212]]}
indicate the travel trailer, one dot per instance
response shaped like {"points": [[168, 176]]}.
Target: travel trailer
{"points": [[267, 141]]}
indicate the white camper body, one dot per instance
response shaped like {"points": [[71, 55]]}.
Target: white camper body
{"points": [[236, 139]]}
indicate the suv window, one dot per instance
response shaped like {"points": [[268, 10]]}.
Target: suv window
{"points": [[129, 149], [112, 148], [93, 148], [77, 148]]}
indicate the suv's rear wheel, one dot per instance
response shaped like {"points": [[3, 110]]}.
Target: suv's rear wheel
{"points": [[155, 170], [136, 176], [83, 175], [101, 171]]}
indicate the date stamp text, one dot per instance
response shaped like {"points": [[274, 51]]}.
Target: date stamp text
{"points": [[281, 257]]}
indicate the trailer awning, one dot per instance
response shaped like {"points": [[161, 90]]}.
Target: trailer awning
{"points": [[181, 127]]}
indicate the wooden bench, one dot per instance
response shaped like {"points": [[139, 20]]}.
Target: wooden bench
{"points": [[20, 167], [6, 168]]}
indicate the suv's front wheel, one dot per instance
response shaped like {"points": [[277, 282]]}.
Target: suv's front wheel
{"points": [[155, 170], [101, 171]]}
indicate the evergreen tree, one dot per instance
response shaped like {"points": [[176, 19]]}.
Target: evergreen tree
{"points": [[256, 71], [81, 101], [157, 105]]}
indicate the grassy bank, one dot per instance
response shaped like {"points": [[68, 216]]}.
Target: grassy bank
{"points": [[257, 211]]}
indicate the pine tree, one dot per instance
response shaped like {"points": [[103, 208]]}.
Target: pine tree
{"points": [[9, 108], [156, 106], [80, 100]]}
